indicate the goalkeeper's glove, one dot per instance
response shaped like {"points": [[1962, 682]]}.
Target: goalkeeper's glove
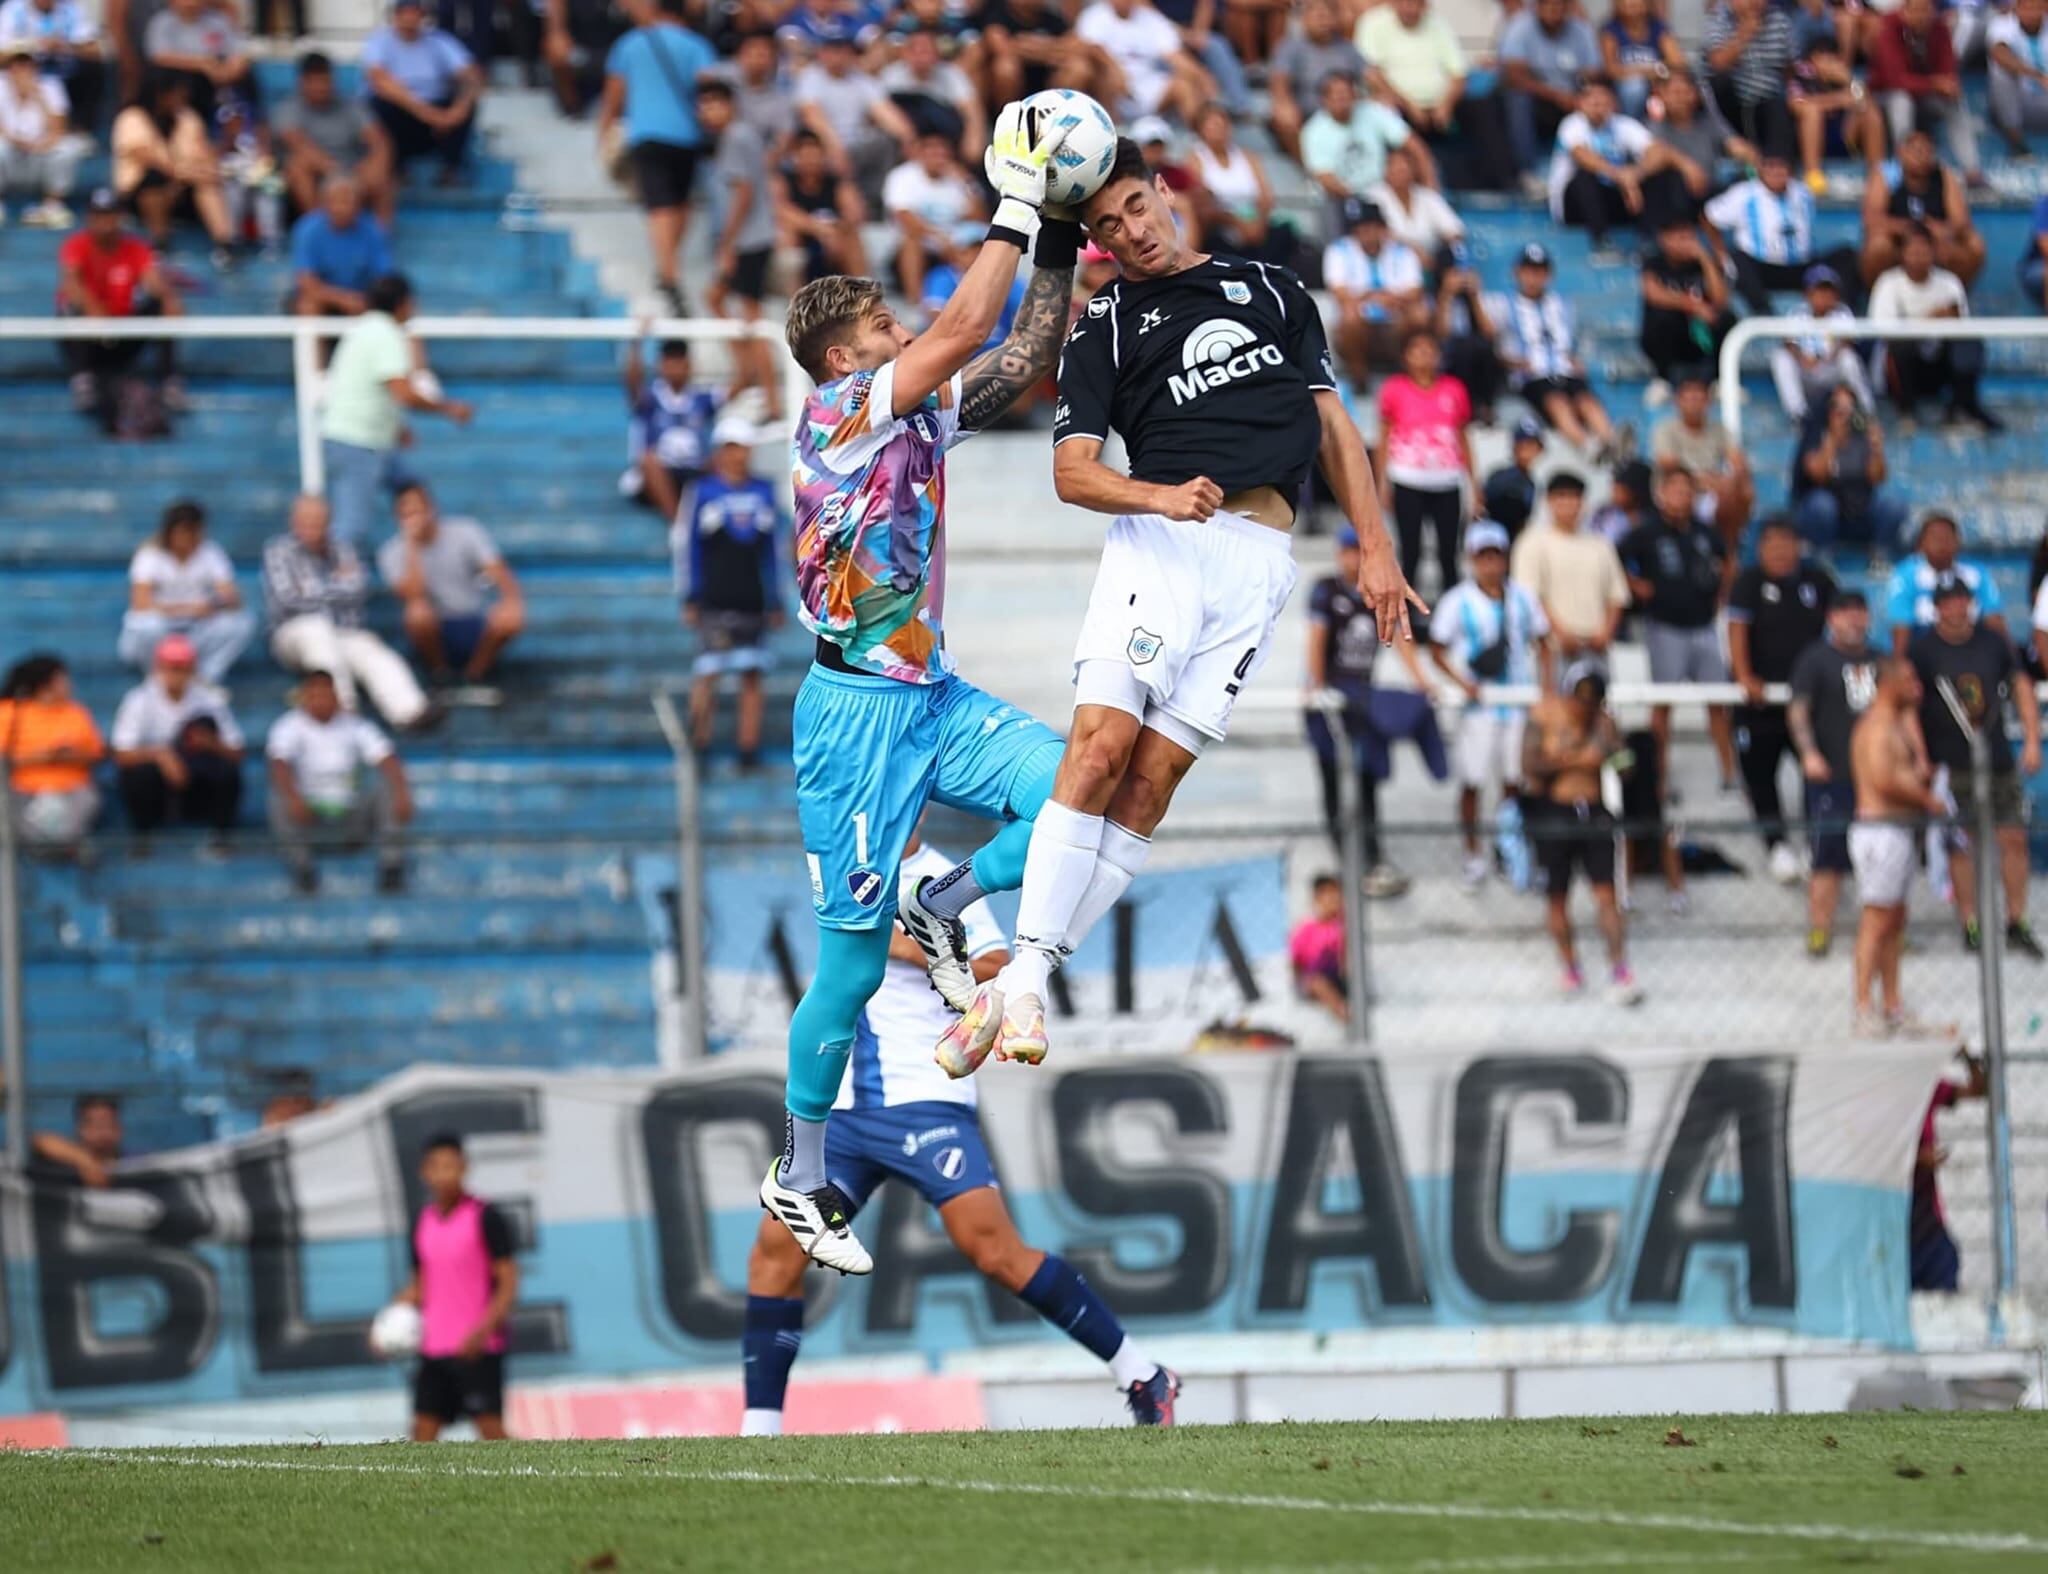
{"points": [[1016, 166]]}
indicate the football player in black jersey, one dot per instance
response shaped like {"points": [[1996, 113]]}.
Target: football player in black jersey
{"points": [[1215, 373]]}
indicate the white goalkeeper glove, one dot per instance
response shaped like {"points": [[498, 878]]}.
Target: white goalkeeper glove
{"points": [[1016, 166]]}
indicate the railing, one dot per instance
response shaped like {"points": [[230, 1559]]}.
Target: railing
{"points": [[1751, 329], [306, 333]]}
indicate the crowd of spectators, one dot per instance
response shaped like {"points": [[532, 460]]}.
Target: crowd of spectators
{"points": [[789, 129]]}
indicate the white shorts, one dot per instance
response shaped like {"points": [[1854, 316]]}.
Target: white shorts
{"points": [[1884, 858], [1490, 746], [1182, 616]]}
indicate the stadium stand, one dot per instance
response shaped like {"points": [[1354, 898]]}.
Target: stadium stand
{"points": [[185, 980]]}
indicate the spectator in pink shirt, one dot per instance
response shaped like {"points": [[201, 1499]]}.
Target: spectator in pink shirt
{"points": [[1317, 948], [464, 1281], [1424, 459]]}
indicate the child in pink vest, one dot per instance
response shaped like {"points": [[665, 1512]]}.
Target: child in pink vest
{"points": [[464, 1282]]}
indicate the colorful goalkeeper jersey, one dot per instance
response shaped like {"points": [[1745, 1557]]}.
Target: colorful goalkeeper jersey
{"points": [[870, 523]]}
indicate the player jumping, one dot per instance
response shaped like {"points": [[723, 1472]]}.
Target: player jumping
{"points": [[882, 724], [1215, 373], [898, 1118]]}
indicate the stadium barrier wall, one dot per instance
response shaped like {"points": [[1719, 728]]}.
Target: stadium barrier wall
{"points": [[1760, 1188]]}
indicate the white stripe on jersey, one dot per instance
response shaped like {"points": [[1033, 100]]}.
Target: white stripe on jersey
{"points": [[905, 1018]]}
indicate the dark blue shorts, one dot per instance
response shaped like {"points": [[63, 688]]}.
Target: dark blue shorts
{"points": [[935, 1146], [1830, 806], [460, 638]]}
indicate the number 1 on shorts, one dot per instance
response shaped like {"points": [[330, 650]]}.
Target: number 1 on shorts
{"points": [[860, 837]]}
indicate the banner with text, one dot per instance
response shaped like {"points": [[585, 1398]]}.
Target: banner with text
{"points": [[1205, 1193], [1193, 944]]}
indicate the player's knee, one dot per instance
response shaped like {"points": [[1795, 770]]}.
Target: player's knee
{"points": [[507, 618], [994, 1254], [421, 618], [1095, 759]]}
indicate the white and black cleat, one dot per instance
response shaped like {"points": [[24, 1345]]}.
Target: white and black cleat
{"points": [[821, 1221], [944, 944]]}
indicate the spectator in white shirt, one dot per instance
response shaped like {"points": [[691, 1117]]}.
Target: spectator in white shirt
{"points": [[66, 47], [318, 754], [1767, 225], [1806, 370], [314, 590], [1499, 633], [38, 152], [181, 583], [1378, 286], [1600, 164], [2017, 44], [1158, 76], [1233, 202], [1946, 369], [444, 572], [935, 209], [1418, 217], [177, 748]]}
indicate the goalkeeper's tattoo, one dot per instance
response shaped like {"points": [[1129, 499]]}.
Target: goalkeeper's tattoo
{"points": [[998, 378]]}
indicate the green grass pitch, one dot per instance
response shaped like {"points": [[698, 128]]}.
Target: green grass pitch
{"points": [[1961, 1494]]}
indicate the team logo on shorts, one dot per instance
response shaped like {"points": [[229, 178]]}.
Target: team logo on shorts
{"points": [[1144, 646], [865, 887], [950, 1162], [1237, 291]]}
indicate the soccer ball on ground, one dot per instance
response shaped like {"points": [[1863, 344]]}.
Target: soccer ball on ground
{"points": [[1082, 163], [395, 1331]]}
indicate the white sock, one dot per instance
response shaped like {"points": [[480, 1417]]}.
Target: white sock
{"points": [[1057, 869], [1119, 862], [1129, 1365], [768, 1423]]}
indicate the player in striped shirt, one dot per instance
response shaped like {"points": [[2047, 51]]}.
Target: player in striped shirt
{"points": [[899, 1117]]}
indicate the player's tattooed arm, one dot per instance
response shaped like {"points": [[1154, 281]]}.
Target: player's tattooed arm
{"points": [[998, 378]]}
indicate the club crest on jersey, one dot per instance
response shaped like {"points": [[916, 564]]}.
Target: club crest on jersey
{"points": [[926, 428], [1144, 646], [864, 886], [1099, 307], [1222, 350], [1237, 292]]}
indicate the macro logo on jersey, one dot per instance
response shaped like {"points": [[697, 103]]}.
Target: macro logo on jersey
{"points": [[870, 506], [1220, 351], [1144, 646], [1236, 290]]}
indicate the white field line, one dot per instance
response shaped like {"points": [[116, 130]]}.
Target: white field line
{"points": [[1510, 1564], [1935, 1540]]}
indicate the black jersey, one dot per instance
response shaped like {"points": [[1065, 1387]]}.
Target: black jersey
{"points": [[1208, 372]]}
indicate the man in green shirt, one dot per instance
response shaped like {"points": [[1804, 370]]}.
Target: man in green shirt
{"points": [[377, 373]]}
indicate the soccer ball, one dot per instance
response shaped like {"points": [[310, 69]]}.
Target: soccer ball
{"points": [[395, 1331], [1082, 163]]}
